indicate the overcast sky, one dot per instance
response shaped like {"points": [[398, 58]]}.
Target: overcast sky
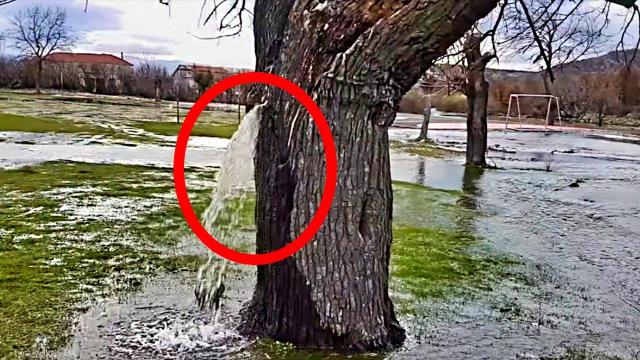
{"points": [[144, 28]]}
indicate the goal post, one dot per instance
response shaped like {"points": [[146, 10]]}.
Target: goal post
{"points": [[515, 98]]}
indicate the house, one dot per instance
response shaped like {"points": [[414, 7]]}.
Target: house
{"points": [[193, 79], [90, 71], [186, 76]]}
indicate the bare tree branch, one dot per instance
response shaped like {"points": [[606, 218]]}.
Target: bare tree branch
{"points": [[620, 47], [228, 17]]}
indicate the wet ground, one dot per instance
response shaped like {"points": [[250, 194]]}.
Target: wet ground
{"points": [[563, 208], [578, 228], [575, 229], [42, 148]]}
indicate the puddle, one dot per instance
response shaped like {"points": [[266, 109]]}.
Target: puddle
{"points": [[161, 321]]}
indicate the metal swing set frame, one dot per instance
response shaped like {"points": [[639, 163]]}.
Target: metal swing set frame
{"points": [[517, 97]]}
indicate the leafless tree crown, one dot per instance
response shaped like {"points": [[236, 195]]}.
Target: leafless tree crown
{"points": [[38, 31], [554, 32]]}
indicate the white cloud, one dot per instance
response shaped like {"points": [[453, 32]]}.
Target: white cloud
{"points": [[147, 29]]}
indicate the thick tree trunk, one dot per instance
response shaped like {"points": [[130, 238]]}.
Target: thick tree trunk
{"points": [[477, 92], [426, 118], [357, 60]]}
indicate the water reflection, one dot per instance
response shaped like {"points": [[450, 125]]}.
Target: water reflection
{"points": [[422, 173], [434, 173], [468, 202], [470, 187]]}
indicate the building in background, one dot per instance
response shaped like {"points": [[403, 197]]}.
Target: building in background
{"points": [[192, 80], [103, 73]]}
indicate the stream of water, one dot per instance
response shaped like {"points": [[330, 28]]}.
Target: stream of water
{"points": [[235, 181]]}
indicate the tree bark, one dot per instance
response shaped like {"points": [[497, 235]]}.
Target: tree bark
{"points": [[357, 60], [424, 130], [477, 92], [39, 77], [546, 81]]}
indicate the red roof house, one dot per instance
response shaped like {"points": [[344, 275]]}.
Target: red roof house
{"points": [[90, 71], [86, 58]]}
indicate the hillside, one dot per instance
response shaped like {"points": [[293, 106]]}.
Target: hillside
{"points": [[609, 62]]}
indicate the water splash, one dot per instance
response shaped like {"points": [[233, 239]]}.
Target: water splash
{"points": [[170, 334], [223, 217]]}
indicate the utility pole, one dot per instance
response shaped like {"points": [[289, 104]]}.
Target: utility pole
{"points": [[177, 104]]}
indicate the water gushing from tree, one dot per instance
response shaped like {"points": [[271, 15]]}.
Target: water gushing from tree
{"points": [[223, 217]]}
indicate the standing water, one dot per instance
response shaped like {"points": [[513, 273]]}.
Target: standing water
{"points": [[577, 287]]}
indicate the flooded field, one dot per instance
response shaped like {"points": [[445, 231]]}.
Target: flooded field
{"points": [[535, 258], [109, 119]]}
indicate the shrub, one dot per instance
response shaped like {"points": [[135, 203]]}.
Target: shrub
{"points": [[414, 102], [454, 103]]}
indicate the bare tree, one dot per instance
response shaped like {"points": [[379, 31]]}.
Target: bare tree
{"points": [[465, 72], [554, 33], [476, 88], [426, 119], [38, 31]]}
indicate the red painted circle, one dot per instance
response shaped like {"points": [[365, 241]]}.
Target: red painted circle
{"points": [[329, 185]]}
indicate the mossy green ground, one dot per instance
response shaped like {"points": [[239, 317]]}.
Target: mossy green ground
{"points": [[200, 129], [424, 148], [56, 252], [12, 122], [435, 252], [72, 232]]}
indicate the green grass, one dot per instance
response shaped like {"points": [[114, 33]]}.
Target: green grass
{"points": [[11, 122], [116, 118], [435, 253], [433, 263], [425, 149], [204, 129], [51, 262]]}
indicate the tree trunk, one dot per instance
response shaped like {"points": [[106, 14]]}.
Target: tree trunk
{"points": [[477, 92], [601, 110], [424, 130], [546, 81], [39, 77], [357, 60]]}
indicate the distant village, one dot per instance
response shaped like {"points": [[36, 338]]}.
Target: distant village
{"points": [[589, 89], [113, 75]]}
